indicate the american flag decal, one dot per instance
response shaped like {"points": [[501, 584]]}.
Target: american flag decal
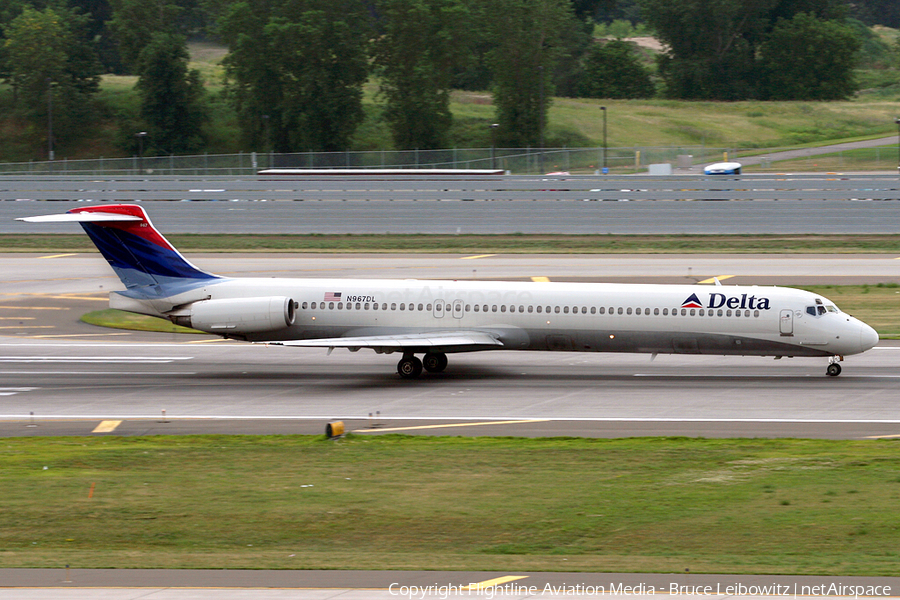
{"points": [[332, 296]]}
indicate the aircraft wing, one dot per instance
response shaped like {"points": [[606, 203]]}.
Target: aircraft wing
{"points": [[476, 340]]}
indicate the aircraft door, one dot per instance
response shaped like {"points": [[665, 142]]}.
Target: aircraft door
{"points": [[438, 309], [458, 309], [786, 323]]}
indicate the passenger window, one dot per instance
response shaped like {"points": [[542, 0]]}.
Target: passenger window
{"points": [[683, 312], [655, 312], [358, 306], [628, 311], [556, 310], [702, 313], [665, 312], [530, 309], [593, 310], [494, 308], [540, 308], [502, 308], [402, 306], [303, 306], [693, 311], [393, 306], [620, 311], [566, 309]]}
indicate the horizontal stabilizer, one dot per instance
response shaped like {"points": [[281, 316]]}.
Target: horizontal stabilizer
{"points": [[443, 339], [82, 217]]}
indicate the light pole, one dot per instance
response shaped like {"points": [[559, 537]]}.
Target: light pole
{"points": [[897, 121], [50, 119], [140, 136], [540, 116], [494, 127], [605, 170]]}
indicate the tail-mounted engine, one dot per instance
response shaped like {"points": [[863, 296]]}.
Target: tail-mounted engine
{"points": [[238, 315]]}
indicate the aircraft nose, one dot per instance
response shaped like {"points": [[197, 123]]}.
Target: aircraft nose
{"points": [[868, 337]]}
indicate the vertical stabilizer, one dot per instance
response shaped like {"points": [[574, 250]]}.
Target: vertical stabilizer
{"points": [[136, 251]]}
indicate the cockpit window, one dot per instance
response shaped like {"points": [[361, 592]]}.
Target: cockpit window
{"points": [[831, 308]]}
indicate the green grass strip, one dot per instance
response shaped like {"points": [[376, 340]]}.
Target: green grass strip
{"points": [[484, 244], [402, 502]]}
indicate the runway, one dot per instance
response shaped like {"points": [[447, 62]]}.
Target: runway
{"points": [[810, 216], [71, 375]]}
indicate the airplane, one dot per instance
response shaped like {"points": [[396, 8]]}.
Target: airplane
{"points": [[434, 318]]}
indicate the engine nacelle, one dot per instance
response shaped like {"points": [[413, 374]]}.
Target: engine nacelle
{"points": [[240, 315]]}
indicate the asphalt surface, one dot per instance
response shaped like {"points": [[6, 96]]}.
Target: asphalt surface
{"points": [[390, 584], [71, 375]]}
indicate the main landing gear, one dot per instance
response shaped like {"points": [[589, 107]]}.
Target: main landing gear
{"points": [[834, 369], [411, 367]]}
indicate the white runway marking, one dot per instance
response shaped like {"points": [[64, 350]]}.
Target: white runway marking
{"points": [[94, 359], [95, 373], [12, 391]]}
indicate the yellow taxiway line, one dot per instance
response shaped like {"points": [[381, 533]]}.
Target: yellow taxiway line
{"points": [[57, 255], [477, 256], [483, 585], [713, 279], [541, 279], [106, 426]]}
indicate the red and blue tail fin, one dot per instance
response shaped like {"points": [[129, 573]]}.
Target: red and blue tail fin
{"points": [[136, 251]]}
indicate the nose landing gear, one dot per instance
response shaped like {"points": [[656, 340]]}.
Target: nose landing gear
{"points": [[834, 369]]}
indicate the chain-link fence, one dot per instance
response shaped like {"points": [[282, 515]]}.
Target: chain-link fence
{"points": [[520, 161], [514, 160]]}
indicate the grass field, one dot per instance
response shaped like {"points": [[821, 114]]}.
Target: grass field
{"points": [[652, 504]]}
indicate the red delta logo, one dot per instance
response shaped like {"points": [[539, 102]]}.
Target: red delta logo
{"points": [[717, 300], [692, 302]]}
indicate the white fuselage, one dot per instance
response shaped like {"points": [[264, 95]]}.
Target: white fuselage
{"points": [[690, 319]]}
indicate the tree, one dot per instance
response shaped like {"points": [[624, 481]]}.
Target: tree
{"points": [[171, 96], [135, 21], [806, 58], [611, 70], [416, 52], [526, 45], [46, 55], [296, 71], [714, 45]]}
